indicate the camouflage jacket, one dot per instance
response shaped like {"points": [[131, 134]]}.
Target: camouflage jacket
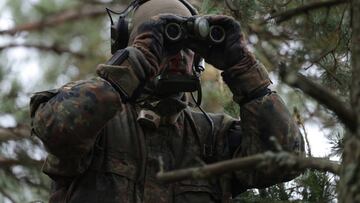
{"points": [[98, 152]]}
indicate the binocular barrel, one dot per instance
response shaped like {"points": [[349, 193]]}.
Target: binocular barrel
{"points": [[200, 28], [173, 31], [217, 34]]}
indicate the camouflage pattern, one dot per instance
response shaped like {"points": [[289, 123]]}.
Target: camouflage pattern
{"points": [[68, 120], [98, 152], [246, 79], [267, 117], [109, 157]]}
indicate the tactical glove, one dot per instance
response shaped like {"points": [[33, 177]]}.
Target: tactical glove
{"points": [[129, 69], [227, 53], [246, 78], [151, 42]]}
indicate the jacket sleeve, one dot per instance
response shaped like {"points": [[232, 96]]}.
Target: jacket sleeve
{"points": [[262, 117], [68, 119]]}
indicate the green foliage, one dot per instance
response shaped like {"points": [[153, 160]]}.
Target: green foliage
{"points": [[318, 187], [312, 186], [211, 7], [25, 182], [278, 193], [317, 44]]}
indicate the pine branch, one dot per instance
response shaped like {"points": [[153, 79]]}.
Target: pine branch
{"points": [[300, 122], [7, 195], [15, 133], [65, 16], [31, 183], [321, 95], [264, 161], [286, 15], [7, 162], [53, 48], [267, 35]]}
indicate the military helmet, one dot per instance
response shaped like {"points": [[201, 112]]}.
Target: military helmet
{"points": [[155, 7], [123, 31]]}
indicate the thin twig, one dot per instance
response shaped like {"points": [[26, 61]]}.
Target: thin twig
{"points": [[7, 195], [260, 162], [313, 61], [300, 122], [286, 15], [7, 162], [331, 74], [62, 17], [54, 48], [14, 133]]}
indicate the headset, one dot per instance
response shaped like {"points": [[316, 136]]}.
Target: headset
{"points": [[120, 33], [120, 30]]}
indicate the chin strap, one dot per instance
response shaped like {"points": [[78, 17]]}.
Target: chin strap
{"points": [[208, 147]]}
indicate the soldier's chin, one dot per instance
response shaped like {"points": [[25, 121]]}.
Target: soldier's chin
{"points": [[171, 105]]}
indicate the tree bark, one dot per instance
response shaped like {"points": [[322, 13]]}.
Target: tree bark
{"points": [[349, 190]]}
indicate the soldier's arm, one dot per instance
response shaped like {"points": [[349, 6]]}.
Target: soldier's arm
{"points": [[68, 119], [263, 115]]}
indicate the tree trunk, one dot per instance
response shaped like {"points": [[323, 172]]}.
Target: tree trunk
{"points": [[349, 190]]}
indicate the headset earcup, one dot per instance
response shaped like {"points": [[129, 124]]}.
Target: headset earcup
{"points": [[119, 34], [114, 36]]}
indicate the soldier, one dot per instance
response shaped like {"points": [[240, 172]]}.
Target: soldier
{"points": [[104, 136]]}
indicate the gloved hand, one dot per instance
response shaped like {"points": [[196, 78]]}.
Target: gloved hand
{"points": [[129, 69], [151, 42], [246, 78], [226, 54]]}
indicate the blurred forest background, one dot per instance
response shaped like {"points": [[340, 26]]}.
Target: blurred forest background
{"points": [[47, 43]]}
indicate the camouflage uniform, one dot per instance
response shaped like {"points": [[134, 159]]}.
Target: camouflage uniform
{"points": [[98, 152]]}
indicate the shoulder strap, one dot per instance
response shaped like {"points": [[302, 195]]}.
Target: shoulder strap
{"points": [[205, 140]]}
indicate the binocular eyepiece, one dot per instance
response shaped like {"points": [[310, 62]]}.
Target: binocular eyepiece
{"points": [[198, 28]]}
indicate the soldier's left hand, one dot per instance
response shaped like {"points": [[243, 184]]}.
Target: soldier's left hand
{"points": [[227, 53]]}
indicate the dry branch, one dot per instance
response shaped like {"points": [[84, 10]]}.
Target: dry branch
{"points": [[54, 48], [300, 123], [15, 133], [7, 195], [259, 161], [286, 15], [58, 19], [321, 95], [8, 162]]}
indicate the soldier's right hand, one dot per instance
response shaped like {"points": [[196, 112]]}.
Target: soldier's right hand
{"points": [[151, 41], [142, 60]]}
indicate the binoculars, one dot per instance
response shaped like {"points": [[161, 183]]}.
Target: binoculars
{"points": [[195, 27]]}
